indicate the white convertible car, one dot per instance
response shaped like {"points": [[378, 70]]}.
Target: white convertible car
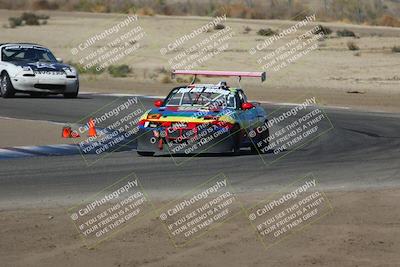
{"points": [[33, 69]]}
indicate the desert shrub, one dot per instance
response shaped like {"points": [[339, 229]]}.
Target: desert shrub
{"points": [[166, 79], [132, 42], [14, 22], [146, 11], [239, 11], [92, 6], [390, 21], [288, 9], [82, 70], [196, 80], [44, 4], [300, 11], [355, 92], [292, 9], [345, 33], [396, 49], [42, 17], [324, 30], [30, 18], [247, 29], [219, 26], [100, 8], [236, 10], [188, 80], [257, 14], [266, 32], [90, 70], [162, 70], [181, 80], [119, 70], [352, 46]]}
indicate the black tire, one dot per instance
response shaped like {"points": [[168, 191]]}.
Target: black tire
{"points": [[145, 153], [72, 95], [262, 136], [237, 139], [6, 88]]}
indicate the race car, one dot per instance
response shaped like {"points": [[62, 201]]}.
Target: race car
{"points": [[33, 69], [196, 118]]}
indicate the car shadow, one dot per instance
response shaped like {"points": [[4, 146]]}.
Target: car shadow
{"points": [[22, 96], [212, 155]]}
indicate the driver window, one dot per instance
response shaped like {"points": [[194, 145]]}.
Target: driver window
{"points": [[174, 100], [44, 56], [187, 99], [29, 54]]}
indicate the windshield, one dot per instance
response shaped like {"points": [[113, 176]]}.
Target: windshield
{"points": [[28, 54], [201, 97]]}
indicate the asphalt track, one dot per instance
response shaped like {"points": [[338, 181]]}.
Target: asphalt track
{"points": [[361, 151]]}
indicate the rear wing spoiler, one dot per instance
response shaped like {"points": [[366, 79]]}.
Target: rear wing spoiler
{"points": [[210, 73]]}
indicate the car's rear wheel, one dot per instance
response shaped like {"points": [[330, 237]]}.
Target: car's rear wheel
{"points": [[6, 87], [237, 139], [145, 153], [261, 137]]}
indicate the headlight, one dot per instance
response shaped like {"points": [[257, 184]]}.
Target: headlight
{"points": [[26, 68], [69, 71]]}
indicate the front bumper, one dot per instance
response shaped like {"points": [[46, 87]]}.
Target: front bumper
{"points": [[217, 140], [45, 84]]}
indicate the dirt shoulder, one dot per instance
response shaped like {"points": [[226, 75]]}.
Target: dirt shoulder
{"points": [[371, 100], [362, 230], [20, 132]]}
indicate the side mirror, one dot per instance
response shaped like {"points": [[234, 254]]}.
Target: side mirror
{"points": [[59, 60], [247, 105], [158, 103]]}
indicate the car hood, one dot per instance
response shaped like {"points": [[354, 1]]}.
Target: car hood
{"points": [[41, 66]]}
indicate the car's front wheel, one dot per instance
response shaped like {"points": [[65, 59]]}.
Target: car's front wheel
{"points": [[72, 95], [6, 87]]}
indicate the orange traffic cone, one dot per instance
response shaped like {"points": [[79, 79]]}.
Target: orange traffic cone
{"points": [[66, 132], [74, 134], [92, 129]]}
